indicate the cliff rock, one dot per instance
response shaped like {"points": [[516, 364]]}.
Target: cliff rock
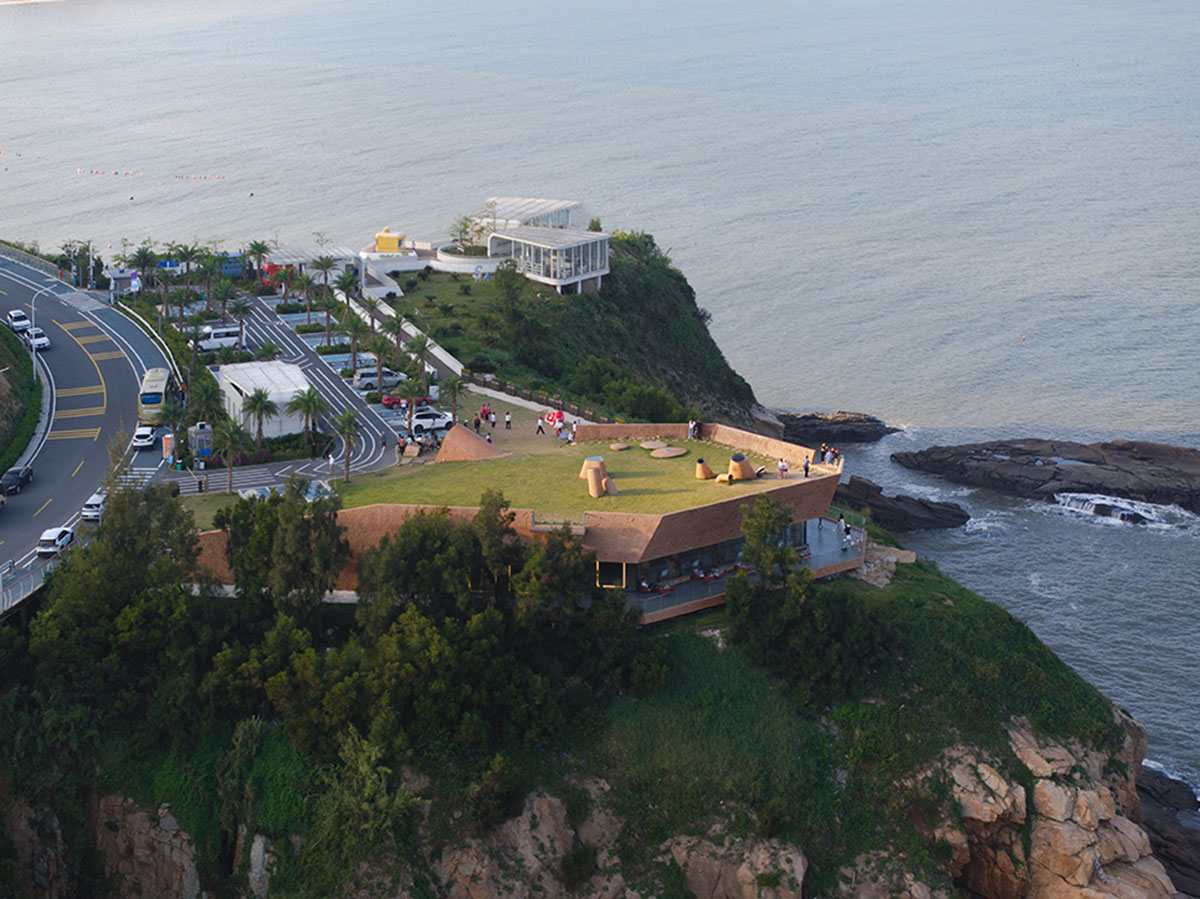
{"points": [[899, 513], [144, 854], [37, 841], [1038, 469], [1082, 811], [739, 870], [815, 428], [1169, 815]]}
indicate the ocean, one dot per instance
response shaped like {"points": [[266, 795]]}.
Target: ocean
{"points": [[973, 220]]}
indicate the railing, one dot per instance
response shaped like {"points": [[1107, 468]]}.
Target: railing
{"points": [[35, 262], [15, 589], [536, 396], [154, 336]]}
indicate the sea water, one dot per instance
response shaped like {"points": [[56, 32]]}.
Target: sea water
{"points": [[974, 220]]}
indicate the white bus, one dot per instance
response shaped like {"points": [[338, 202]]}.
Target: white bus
{"points": [[158, 386]]}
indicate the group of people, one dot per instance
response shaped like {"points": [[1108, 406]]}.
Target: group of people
{"points": [[829, 454], [485, 415], [562, 431], [693, 429]]}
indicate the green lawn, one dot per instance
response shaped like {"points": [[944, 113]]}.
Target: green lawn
{"points": [[548, 481]]}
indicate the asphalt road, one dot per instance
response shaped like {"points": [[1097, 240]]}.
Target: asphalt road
{"points": [[92, 373]]}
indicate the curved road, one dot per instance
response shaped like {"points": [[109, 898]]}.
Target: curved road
{"points": [[91, 375]]}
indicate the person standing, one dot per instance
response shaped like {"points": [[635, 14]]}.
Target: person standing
{"points": [[540, 429], [476, 423], [508, 421], [783, 468], [806, 466], [492, 418]]}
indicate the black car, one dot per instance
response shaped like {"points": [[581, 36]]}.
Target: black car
{"points": [[16, 478]]}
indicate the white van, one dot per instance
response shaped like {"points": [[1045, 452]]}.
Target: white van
{"points": [[213, 337], [93, 509]]}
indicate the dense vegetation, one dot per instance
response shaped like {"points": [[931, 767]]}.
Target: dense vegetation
{"points": [[639, 348], [273, 709], [20, 399]]}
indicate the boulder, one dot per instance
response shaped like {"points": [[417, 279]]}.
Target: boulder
{"points": [[1038, 469], [899, 513], [1168, 811], [739, 870], [815, 428]]}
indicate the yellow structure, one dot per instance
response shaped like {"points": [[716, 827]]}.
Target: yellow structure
{"points": [[704, 472], [387, 242], [740, 468]]}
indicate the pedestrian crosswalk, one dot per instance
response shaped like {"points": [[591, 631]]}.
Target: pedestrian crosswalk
{"points": [[136, 477]]}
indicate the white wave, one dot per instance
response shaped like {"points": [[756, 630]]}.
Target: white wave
{"points": [[1126, 511], [1164, 766]]}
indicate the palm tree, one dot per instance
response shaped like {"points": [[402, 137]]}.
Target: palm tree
{"points": [[261, 406], [324, 265], [204, 400], [283, 277], [328, 305], [223, 293], [258, 250], [380, 346], [240, 308], [188, 254], [418, 348], [197, 322], [394, 328], [411, 391], [356, 329], [304, 283], [229, 439], [171, 413], [144, 259], [267, 352], [347, 283], [311, 405], [345, 425], [453, 386], [206, 269], [227, 355], [371, 305]]}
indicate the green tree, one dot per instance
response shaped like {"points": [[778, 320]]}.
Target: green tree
{"points": [[356, 329], [204, 400], [394, 328], [345, 425], [497, 540], [311, 405], [144, 260], [329, 305], [418, 348], [324, 265], [241, 308], [222, 293], [196, 322], [260, 405], [452, 387], [347, 283], [370, 305], [283, 277], [304, 284], [267, 351], [258, 250], [230, 438], [410, 391], [380, 346]]}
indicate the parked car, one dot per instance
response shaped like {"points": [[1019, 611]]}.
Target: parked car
{"points": [[18, 321], [390, 399], [16, 478], [215, 337], [93, 509], [55, 540], [430, 420], [145, 437], [36, 338], [369, 379]]}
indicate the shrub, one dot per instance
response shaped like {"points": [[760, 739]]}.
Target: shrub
{"points": [[482, 364], [374, 396], [333, 349], [411, 284], [497, 797], [259, 289], [578, 866], [314, 328]]}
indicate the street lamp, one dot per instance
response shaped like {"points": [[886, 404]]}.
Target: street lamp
{"points": [[33, 324]]}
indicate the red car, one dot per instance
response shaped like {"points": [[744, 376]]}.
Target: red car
{"points": [[390, 400]]}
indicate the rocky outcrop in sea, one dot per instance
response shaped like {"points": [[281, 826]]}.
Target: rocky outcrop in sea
{"points": [[1040, 469], [899, 513], [815, 428]]}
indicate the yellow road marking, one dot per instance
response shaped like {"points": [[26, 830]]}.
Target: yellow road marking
{"points": [[77, 467], [92, 338], [101, 357], [71, 326], [74, 434], [46, 503], [79, 391], [78, 413], [95, 365]]}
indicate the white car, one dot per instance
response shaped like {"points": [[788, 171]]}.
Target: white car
{"points": [[18, 321], [144, 437], [36, 338], [369, 379], [427, 419], [93, 509], [55, 540]]}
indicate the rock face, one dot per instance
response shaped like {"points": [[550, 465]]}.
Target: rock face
{"points": [[742, 870], [1085, 842], [145, 854], [1038, 469], [39, 868], [814, 428], [899, 513], [1168, 807]]}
